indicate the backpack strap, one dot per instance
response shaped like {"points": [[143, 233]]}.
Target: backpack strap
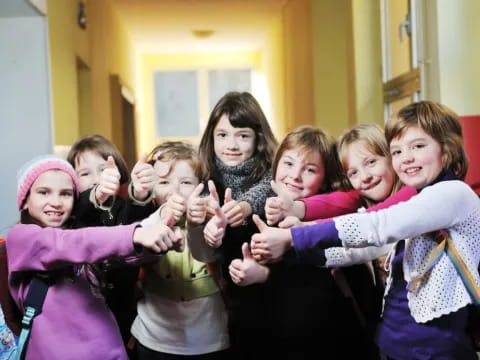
{"points": [[33, 307]]}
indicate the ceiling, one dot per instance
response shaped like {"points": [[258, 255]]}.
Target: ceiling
{"points": [[165, 26]]}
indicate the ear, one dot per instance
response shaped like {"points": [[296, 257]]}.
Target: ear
{"points": [[25, 206]]}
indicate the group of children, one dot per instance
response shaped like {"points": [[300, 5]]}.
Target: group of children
{"points": [[242, 249]]}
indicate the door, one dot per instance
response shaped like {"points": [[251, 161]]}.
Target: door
{"points": [[400, 44]]}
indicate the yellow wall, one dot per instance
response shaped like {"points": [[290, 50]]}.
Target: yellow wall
{"points": [[62, 32], [299, 97], [333, 56], [368, 61], [104, 49]]}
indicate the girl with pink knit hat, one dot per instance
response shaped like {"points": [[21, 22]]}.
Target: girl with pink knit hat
{"points": [[75, 322]]}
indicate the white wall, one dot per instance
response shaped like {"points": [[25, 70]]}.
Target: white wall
{"points": [[454, 54], [25, 121]]}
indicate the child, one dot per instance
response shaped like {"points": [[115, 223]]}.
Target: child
{"points": [[102, 173], [182, 312], [75, 322], [307, 307], [426, 300], [236, 153]]}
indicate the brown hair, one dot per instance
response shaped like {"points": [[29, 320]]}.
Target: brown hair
{"points": [[102, 147], [438, 121], [373, 137], [174, 151], [310, 139], [243, 111]]}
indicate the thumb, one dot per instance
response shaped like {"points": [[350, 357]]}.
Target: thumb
{"points": [[217, 209], [168, 219], [111, 162], [246, 251], [197, 191], [260, 223], [279, 191], [143, 158], [213, 190], [228, 195]]}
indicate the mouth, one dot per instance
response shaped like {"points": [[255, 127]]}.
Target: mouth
{"points": [[232, 155], [372, 185], [293, 188], [412, 171], [54, 215]]}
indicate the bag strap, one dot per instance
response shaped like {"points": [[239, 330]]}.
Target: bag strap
{"points": [[33, 307], [446, 246]]}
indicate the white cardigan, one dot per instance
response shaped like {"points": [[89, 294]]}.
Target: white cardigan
{"points": [[449, 205]]}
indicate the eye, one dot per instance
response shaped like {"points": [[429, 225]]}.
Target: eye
{"points": [[66, 193], [372, 162], [395, 152], [352, 173], [42, 192], [186, 182], [418, 146], [163, 182], [84, 173], [312, 170], [288, 163], [245, 136], [221, 135]]}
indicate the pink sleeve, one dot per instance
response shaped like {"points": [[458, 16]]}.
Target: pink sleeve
{"points": [[404, 194], [329, 205], [31, 247]]}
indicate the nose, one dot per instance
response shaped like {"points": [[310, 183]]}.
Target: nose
{"points": [[232, 143], [406, 157], [55, 200], [296, 173], [365, 176]]}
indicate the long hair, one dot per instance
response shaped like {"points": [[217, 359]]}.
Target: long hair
{"points": [[438, 121], [309, 139], [103, 147], [243, 111]]}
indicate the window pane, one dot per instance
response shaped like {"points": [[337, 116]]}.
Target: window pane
{"points": [[223, 81], [176, 103]]}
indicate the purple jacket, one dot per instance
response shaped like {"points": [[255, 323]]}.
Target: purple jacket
{"points": [[74, 323]]}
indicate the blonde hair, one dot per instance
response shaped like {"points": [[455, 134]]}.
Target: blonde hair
{"points": [[175, 151], [438, 121], [373, 137]]}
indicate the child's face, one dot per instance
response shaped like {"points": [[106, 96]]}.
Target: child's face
{"points": [[51, 197], [300, 174], [370, 174], [174, 177], [233, 145], [89, 165], [416, 157]]}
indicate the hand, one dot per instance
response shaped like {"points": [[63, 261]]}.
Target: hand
{"points": [[109, 182], [271, 243], [278, 207], [175, 206], [143, 177], [247, 271], [289, 222], [215, 229], [197, 206], [179, 243], [233, 210], [212, 199], [158, 238]]}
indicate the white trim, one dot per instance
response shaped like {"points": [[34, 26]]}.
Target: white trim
{"points": [[40, 6]]}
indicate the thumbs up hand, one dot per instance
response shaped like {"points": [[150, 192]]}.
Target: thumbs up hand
{"points": [[270, 243], [215, 229], [109, 181], [247, 271], [233, 210], [176, 205], [278, 207], [143, 177], [196, 206], [212, 199], [179, 239]]}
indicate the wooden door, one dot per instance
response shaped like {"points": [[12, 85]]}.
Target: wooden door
{"points": [[401, 74]]}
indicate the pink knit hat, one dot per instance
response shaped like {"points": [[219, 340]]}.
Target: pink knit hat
{"points": [[31, 170]]}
